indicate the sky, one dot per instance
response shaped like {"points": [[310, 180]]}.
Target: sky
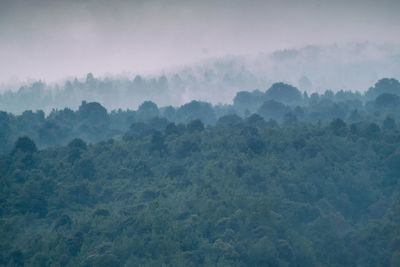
{"points": [[55, 39]]}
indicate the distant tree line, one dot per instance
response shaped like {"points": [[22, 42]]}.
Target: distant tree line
{"points": [[281, 103]]}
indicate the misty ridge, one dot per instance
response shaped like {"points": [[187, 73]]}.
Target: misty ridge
{"points": [[260, 133], [353, 67], [280, 177], [281, 104], [289, 159]]}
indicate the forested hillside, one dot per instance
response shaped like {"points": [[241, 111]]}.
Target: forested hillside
{"points": [[187, 133], [239, 193], [278, 178], [281, 102], [311, 68]]}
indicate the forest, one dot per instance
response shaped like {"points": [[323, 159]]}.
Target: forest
{"points": [[312, 68], [279, 177]]}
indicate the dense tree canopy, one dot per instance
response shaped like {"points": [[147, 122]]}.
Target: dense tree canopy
{"points": [[242, 192], [384, 86], [284, 93], [25, 144], [312, 181], [282, 102]]}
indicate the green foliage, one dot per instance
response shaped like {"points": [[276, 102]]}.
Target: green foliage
{"points": [[25, 144], [272, 109], [284, 93], [384, 86], [318, 186], [147, 110], [196, 110], [386, 100], [93, 114], [282, 103], [77, 143], [195, 126], [240, 193]]}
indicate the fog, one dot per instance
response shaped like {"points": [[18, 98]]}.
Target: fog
{"points": [[52, 40], [353, 67], [199, 133]]}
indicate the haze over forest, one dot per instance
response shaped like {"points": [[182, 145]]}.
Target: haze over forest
{"points": [[199, 133], [54, 40], [313, 69], [314, 45]]}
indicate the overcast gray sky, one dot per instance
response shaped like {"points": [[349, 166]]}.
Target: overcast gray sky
{"points": [[53, 39]]}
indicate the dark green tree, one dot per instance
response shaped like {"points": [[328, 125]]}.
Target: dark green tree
{"points": [[284, 93], [25, 144]]}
